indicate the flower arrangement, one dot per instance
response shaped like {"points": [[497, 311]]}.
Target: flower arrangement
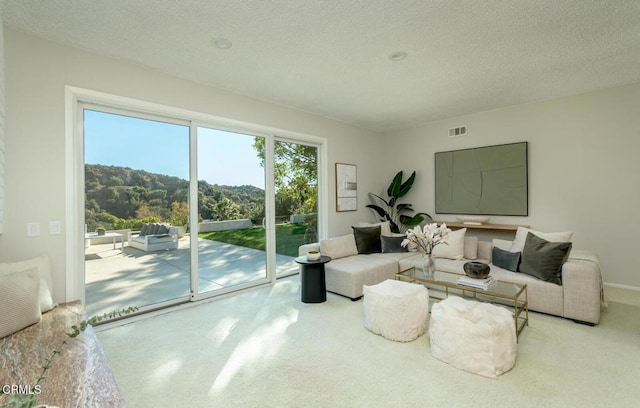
{"points": [[428, 237]]}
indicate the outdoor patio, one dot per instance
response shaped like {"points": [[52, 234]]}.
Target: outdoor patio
{"points": [[119, 278]]}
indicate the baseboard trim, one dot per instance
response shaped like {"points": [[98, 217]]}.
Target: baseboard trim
{"points": [[615, 285]]}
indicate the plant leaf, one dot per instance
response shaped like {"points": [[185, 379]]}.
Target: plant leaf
{"points": [[380, 198], [406, 186], [381, 212], [403, 207], [411, 221], [394, 187]]}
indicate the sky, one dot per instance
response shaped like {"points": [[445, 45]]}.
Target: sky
{"points": [[224, 158]]}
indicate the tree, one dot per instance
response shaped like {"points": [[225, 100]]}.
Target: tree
{"points": [[226, 209], [179, 213], [295, 174]]}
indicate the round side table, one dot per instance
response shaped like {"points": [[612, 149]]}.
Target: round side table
{"points": [[312, 281]]}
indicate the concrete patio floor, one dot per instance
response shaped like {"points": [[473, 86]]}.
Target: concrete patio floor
{"points": [[119, 278]]}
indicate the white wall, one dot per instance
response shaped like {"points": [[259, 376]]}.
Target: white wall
{"points": [[36, 74], [584, 166]]}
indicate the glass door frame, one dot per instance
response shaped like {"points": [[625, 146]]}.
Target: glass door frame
{"points": [[193, 210], [77, 98]]}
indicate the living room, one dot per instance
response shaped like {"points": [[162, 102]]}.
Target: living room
{"points": [[582, 146]]}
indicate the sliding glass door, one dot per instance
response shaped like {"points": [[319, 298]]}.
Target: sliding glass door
{"points": [[175, 212], [231, 210], [296, 201], [136, 173]]}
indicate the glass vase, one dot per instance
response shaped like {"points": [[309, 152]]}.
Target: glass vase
{"points": [[428, 265]]}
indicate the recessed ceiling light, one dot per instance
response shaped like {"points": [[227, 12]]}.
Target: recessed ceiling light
{"points": [[222, 43], [397, 55]]}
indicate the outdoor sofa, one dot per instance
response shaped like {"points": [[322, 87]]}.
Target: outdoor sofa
{"points": [[155, 237]]}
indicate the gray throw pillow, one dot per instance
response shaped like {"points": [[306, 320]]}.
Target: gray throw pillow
{"points": [[392, 244], [543, 259], [144, 229], [367, 239], [505, 259]]}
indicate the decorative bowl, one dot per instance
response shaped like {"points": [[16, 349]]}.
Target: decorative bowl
{"points": [[476, 270], [313, 255], [473, 219]]}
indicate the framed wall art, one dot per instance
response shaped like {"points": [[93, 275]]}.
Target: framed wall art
{"points": [[490, 180], [346, 187]]}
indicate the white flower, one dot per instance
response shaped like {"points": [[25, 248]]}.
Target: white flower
{"points": [[428, 237]]}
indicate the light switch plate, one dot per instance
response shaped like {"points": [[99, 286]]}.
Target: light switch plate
{"points": [[55, 228], [33, 229]]}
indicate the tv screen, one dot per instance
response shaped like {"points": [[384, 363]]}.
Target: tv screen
{"points": [[489, 180]]}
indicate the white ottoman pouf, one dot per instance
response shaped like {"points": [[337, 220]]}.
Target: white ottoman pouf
{"points": [[396, 310], [473, 336]]}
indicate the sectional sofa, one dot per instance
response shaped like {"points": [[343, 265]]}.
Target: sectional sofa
{"points": [[579, 296]]}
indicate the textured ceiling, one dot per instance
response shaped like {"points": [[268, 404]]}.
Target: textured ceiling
{"points": [[330, 57]]}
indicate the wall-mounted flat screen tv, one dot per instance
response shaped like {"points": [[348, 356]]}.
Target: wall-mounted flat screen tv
{"points": [[489, 180]]}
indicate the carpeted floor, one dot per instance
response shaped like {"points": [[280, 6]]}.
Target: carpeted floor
{"points": [[264, 348]]}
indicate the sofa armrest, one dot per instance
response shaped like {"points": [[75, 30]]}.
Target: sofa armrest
{"points": [[303, 249], [582, 290]]}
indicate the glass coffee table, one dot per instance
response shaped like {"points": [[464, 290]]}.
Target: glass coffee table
{"points": [[442, 284]]}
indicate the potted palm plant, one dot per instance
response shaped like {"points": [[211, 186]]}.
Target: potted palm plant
{"points": [[393, 211]]}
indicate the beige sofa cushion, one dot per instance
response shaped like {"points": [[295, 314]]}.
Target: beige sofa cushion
{"points": [[339, 247], [347, 276]]}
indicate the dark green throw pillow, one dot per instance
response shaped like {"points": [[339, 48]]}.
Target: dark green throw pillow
{"points": [[392, 244], [505, 259], [543, 259], [367, 239]]}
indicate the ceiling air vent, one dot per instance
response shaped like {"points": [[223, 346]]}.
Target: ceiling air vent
{"points": [[458, 131]]}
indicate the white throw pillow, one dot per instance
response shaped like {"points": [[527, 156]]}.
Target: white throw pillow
{"points": [[501, 244], [454, 248], [339, 247], [385, 227], [521, 237], [19, 301], [43, 264], [470, 247]]}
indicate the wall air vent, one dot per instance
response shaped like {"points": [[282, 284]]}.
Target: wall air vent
{"points": [[458, 131]]}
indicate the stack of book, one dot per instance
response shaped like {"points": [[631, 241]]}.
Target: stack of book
{"points": [[483, 284]]}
